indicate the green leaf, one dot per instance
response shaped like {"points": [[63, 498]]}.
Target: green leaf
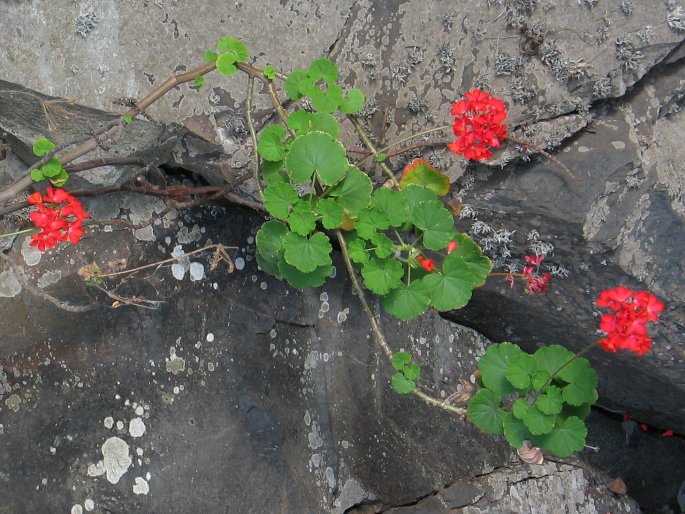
{"points": [[316, 152], [416, 194], [324, 69], [484, 411], [566, 438], [380, 157], [436, 222], [581, 412], [579, 393], [370, 220], [384, 247], [550, 402], [520, 370], [307, 253], [424, 174], [382, 275], [407, 302], [354, 192], [225, 64], [234, 47], [37, 175], [327, 101], [60, 179], [494, 364], [358, 252], [327, 123], [269, 241], [210, 56], [272, 173], [199, 82], [552, 357], [400, 360], [515, 431], [537, 422], [331, 213], [43, 146], [300, 121], [540, 378], [393, 203], [52, 168], [462, 270], [520, 407], [579, 371], [278, 199], [412, 371], [128, 119], [269, 72], [354, 101], [292, 83], [301, 280], [270, 146], [401, 384], [302, 220], [307, 86]]}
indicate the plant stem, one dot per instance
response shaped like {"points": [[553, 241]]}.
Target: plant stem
{"points": [[253, 136], [369, 144], [403, 140], [576, 356], [377, 332], [18, 232]]}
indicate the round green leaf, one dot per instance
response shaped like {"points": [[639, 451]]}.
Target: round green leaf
{"points": [[268, 267], [278, 199], [270, 146], [401, 384], [326, 101], [42, 146], [552, 357], [272, 172], [369, 221], [383, 245], [540, 378], [307, 253], [301, 280], [537, 422], [382, 275], [354, 192], [550, 401], [302, 220], [467, 257], [269, 72], [292, 83], [579, 393], [581, 411], [198, 82], [234, 47], [436, 222], [269, 241], [579, 371], [316, 152], [565, 439], [37, 175], [484, 411], [515, 431], [52, 168], [331, 213], [400, 360], [210, 56], [358, 252], [424, 174], [300, 121], [325, 122], [324, 69], [412, 371], [60, 179], [416, 194], [494, 364], [520, 370], [225, 64], [519, 408], [393, 203], [354, 101], [407, 302]]}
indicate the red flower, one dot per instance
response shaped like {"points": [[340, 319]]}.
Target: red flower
{"points": [[530, 259], [58, 222], [478, 125], [667, 433], [626, 329], [451, 246], [427, 264]]}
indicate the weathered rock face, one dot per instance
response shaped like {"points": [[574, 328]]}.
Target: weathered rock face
{"points": [[606, 85]]}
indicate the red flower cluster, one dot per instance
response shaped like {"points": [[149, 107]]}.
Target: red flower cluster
{"points": [[535, 283], [478, 125], [58, 222], [427, 264], [626, 330]]}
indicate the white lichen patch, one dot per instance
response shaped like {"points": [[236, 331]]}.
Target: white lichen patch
{"points": [[108, 422], [175, 364], [30, 254], [9, 284], [239, 263], [136, 427], [116, 460], [178, 271], [314, 437], [145, 234], [76, 509], [185, 236], [197, 271], [13, 402], [89, 504], [141, 486], [48, 278]]}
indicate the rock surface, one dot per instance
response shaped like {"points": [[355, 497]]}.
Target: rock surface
{"points": [[602, 86]]}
